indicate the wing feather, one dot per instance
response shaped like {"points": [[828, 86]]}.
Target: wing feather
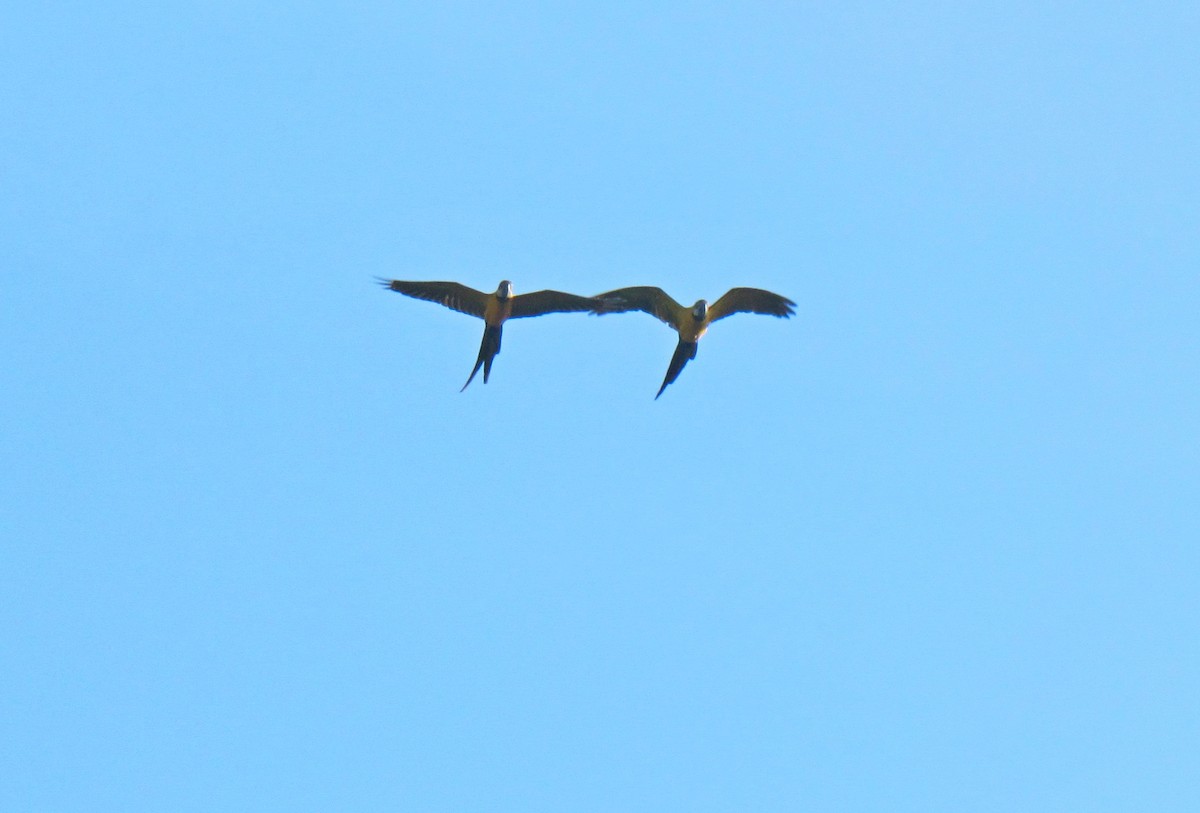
{"points": [[750, 300], [537, 303], [645, 298], [453, 295]]}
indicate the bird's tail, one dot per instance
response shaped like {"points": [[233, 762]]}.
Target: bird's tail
{"points": [[489, 348], [684, 352]]}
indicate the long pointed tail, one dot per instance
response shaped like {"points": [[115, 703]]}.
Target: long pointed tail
{"points": [[489, 348], [684, 352]]}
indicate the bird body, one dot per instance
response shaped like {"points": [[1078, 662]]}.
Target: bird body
{"points": [[494, 309], [692, 323], [497, 310]]}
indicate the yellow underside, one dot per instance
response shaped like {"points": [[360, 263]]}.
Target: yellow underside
{"points": [[495, 312], [690, 330]]}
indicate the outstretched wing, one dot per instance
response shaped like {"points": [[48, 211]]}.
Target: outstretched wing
{"points": [[451, 294], [646, 298], [537, 303], [750, 300]]}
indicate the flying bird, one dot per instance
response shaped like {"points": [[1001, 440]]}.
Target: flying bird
{"points": [[494, 309], [692, 323]]}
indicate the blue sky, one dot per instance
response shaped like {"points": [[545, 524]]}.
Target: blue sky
{"points": [[929, 545]]}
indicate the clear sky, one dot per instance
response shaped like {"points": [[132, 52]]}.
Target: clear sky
{"points": [[931, 545]]}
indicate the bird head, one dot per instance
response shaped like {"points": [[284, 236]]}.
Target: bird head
{"points": [[700, 310], [505, 290]]}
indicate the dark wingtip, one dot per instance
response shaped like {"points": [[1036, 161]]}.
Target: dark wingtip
{"points": [[386, 283]]}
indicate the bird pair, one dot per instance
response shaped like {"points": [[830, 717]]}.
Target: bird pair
{"points": [[495, 309]]}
